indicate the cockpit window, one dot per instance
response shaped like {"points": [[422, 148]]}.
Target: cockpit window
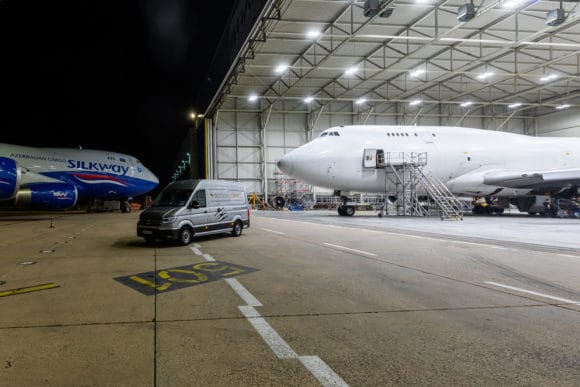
{"points": [[323, 134], [336, 134]]}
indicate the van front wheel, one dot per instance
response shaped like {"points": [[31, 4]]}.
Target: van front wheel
{"points": [[237, 229], [185, 236]]}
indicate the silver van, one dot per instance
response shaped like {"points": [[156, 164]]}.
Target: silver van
{"points": [[195, 207]]}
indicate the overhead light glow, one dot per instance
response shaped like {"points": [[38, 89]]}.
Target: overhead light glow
{"points": [[548, 78], [415, 102], [281, 68], [514, 105], [200, 115], [360, 100], [563, 106], [484, 76], [466, 104], [313, 34], [308, 99], [417, 72], [511, 4], [192, 115], [351, 70], [253, 98]]}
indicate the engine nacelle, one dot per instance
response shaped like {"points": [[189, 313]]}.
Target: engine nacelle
{"points": [[9, 178], [47, 196]]}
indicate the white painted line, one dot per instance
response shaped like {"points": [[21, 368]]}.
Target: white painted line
{"points": [[196, 251], [196, 245], [568, 255], [349, 249], [270, 336], [275, 232], [565, 300], [321, 371], [209, 258], [243, 292]]}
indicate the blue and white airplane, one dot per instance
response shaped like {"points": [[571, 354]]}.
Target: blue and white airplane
{"points": [[58, 178]]}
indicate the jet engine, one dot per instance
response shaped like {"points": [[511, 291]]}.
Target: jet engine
{"points": [[47, 196], [9, 178]]}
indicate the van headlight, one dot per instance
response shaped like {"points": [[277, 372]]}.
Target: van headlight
{"points": [[170, 219]]}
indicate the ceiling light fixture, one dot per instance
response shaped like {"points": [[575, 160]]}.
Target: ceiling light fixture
{"points": [[313, 34], [253, 98], [550, 77], [415, 102], [556, 17], [360, 100], [484, 76], [511, 4], [308, 99], [514, 105], [281, 68], [466, 104], [466, 12], [417, 72], [563, 106], [351, 70]]}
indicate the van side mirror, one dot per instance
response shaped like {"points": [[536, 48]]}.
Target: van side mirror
{"points": [[194, 204]]}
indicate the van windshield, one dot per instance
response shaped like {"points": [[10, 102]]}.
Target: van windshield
{"points": [[172, 198]]}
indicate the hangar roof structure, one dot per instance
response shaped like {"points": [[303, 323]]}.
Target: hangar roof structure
{"points": [[504, 63]]}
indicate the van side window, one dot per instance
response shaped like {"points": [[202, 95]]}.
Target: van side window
{"points": [[199, 196]]}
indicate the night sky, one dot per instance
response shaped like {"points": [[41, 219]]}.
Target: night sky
{"points": [[119, 75]]}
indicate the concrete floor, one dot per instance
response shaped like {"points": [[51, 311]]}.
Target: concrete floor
{"points": [[357, 301]]}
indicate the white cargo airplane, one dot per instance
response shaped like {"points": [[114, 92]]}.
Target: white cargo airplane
{"points": [[56, 178], [470, 162]]}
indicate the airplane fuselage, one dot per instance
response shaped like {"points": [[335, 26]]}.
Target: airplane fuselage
{"points": [[459, 157], [93, 174]]}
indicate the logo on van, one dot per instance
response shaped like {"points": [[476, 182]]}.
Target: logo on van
{"points": [[221, 214]]}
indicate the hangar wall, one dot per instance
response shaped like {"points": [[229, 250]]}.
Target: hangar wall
{"points": [[241, 145], [560, 124]]}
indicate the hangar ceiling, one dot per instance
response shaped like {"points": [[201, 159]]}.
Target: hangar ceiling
{"points": [[311, 64], [505, 62]]}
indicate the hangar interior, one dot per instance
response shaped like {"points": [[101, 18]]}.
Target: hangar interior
{"points": [[306, 65]]}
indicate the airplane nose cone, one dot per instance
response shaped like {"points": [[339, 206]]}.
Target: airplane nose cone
{"points": [[285, 164]]}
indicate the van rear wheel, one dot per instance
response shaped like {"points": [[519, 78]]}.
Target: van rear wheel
{"points": [[237, 229], [185, 236]]}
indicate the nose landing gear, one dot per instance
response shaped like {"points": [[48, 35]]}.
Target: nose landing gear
{"points": [[344, 209]]}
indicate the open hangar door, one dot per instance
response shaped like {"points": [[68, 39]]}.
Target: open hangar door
{"points": [[307, 66]]}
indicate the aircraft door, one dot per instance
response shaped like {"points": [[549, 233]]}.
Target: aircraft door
{"points": [[373, 158]]}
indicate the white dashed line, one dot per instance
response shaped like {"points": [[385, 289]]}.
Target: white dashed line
{"points": [[565, 300], [276, 343], [568, 255], [321, 371], [317, 367], [349, 249], [274, 232], [243, 292]]}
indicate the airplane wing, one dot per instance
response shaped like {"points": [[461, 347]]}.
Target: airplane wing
{"points": [[553, 178]]}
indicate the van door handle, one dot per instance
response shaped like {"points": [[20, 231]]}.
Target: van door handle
{"points": [[205, 212]]}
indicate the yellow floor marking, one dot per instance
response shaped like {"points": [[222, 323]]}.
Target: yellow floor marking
{"points": [[29, 289]]}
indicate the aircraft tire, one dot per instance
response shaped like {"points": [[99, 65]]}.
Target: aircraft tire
{"points": [[349, 211], [237, 229], [341, 210], [185, 236]]}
